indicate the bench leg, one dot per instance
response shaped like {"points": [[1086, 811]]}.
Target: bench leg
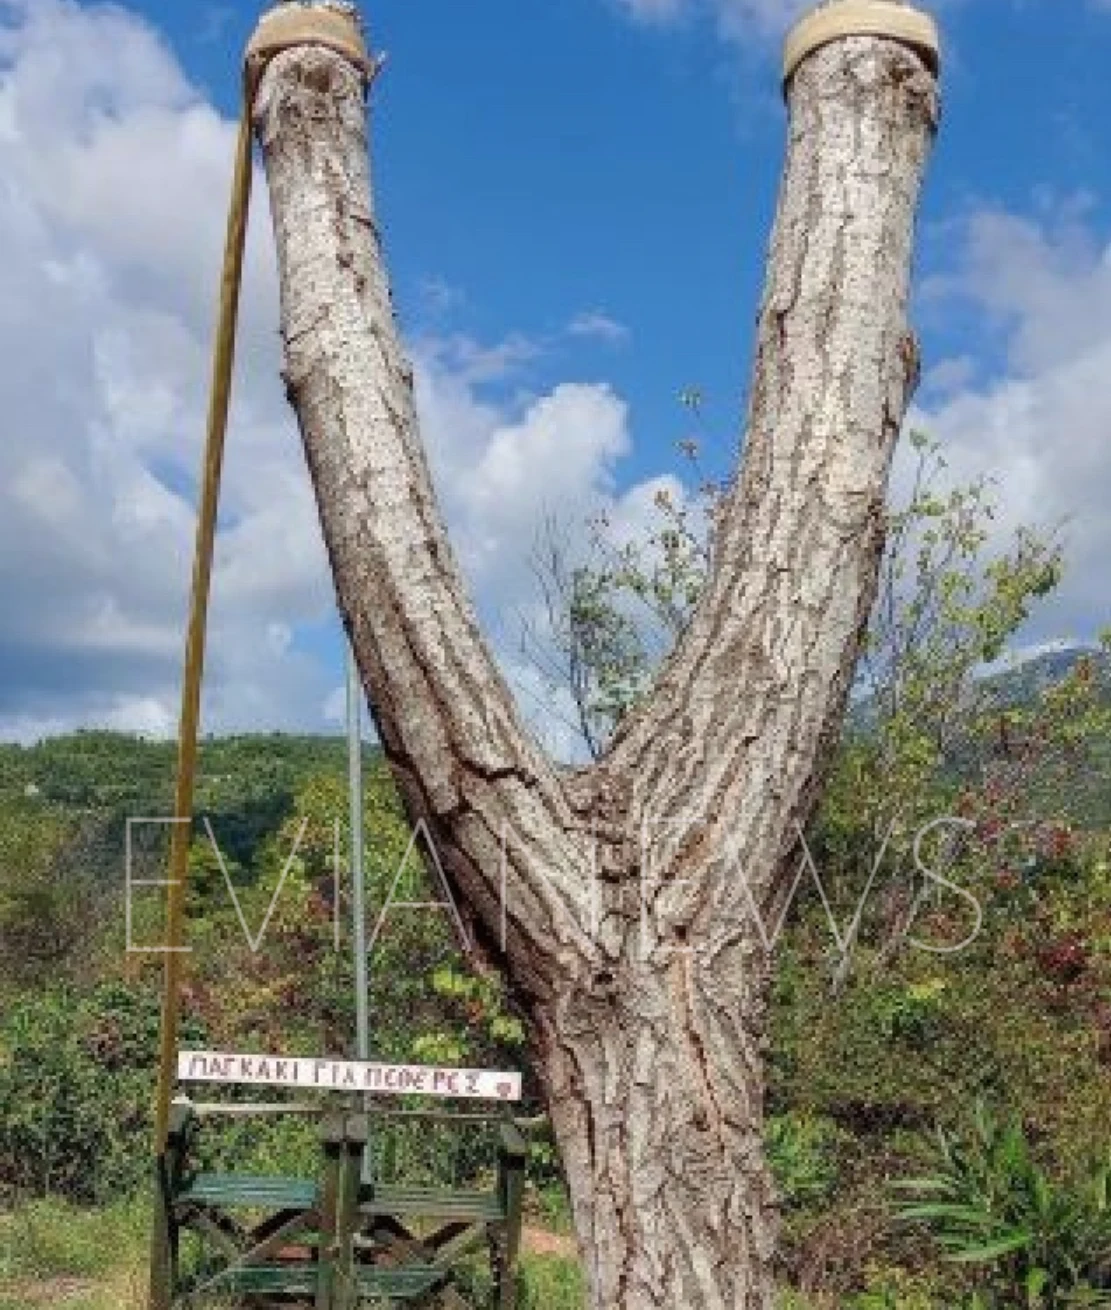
{"points": [[512, 1182], [355, 1136], [504, 1270], [163, 1243], [329, 1215], [508, 1290]]}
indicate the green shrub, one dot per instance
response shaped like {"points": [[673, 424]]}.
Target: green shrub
{"points": [[801, 1153], [913, 1013], [1035, 1241], [76, 1089]]}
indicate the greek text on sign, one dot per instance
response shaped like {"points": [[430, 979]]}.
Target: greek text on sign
{"points": [[347, 1076]]}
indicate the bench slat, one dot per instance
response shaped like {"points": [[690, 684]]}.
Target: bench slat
{"points": [[291, 1279], [301, 1280], [407, 1282], [435, 1203], [302, 1194], [249, 1190]]}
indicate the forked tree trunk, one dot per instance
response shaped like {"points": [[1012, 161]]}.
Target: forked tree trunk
{"points": [[634, 887]]}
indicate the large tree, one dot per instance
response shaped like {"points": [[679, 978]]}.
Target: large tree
{"points": [[630, 935]]}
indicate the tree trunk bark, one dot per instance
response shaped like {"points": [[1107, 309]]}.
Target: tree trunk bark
{"points": [[636, 891]]}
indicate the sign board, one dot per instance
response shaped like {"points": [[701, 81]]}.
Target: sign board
{"points": [[325, 1075]]}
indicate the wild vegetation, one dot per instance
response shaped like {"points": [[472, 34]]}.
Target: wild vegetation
{"points": [[947, 943], [981, 1074]]}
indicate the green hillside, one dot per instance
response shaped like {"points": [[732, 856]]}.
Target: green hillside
{"points": [[868, 1051]]}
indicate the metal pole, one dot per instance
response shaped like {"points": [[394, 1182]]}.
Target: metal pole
{"points": [[358, 876]]}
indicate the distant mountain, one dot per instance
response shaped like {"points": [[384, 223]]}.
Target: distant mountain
{"points": [[1086, 798], [1022, 681]]}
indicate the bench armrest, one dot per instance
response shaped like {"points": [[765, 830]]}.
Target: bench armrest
{"points": [[512, 1142], [181, 1123]]}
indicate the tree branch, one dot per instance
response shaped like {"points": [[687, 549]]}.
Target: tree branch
{"points": [[447, 722], [725, 756]]}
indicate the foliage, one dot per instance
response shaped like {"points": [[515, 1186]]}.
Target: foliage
{"points": [[270, 968], [913, 1013], [854, 1077], [1039, 1241], [37, 927], [928, 733], [593, 647], [75, 1090], [801, 1151], [611, 615], [944, 608]]}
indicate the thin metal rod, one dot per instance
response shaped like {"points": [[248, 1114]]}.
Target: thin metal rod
{"points": [[251, 1109], [358, 872], [358, 876]]}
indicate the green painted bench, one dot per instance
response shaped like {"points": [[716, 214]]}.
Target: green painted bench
{"points": [[337, 1241]]}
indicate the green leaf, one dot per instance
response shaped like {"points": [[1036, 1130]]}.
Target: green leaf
{"points": [[991, 1251]]}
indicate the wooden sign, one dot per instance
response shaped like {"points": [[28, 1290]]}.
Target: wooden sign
{"points": [[324, 1075]]}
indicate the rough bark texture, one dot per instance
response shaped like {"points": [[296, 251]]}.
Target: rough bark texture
{"points": [[631, 887]]}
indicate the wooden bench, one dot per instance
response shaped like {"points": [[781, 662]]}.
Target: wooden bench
{"points": [[335, 1241]]}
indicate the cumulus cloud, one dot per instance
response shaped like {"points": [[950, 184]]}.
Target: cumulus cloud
{"points": [[112, 169], [109, 165], [503, 466], [1041, 425], [736, 19]]}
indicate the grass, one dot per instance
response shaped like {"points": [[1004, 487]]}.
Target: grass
{"points": [[551, 1282], [54, 1254]]}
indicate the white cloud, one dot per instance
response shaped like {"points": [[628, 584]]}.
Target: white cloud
{"points": [[600, 327], [335, 707], [1042, 426], [547, 707], [736, 19], [113, 173], [438, 297], [654, 11], [948, 376], [145, 717], [502, 468], [740, 18], [745, 21], [213, 23]]}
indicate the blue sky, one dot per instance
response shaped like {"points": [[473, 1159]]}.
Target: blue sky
{"points": [[576, 199], [537, 159]]}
